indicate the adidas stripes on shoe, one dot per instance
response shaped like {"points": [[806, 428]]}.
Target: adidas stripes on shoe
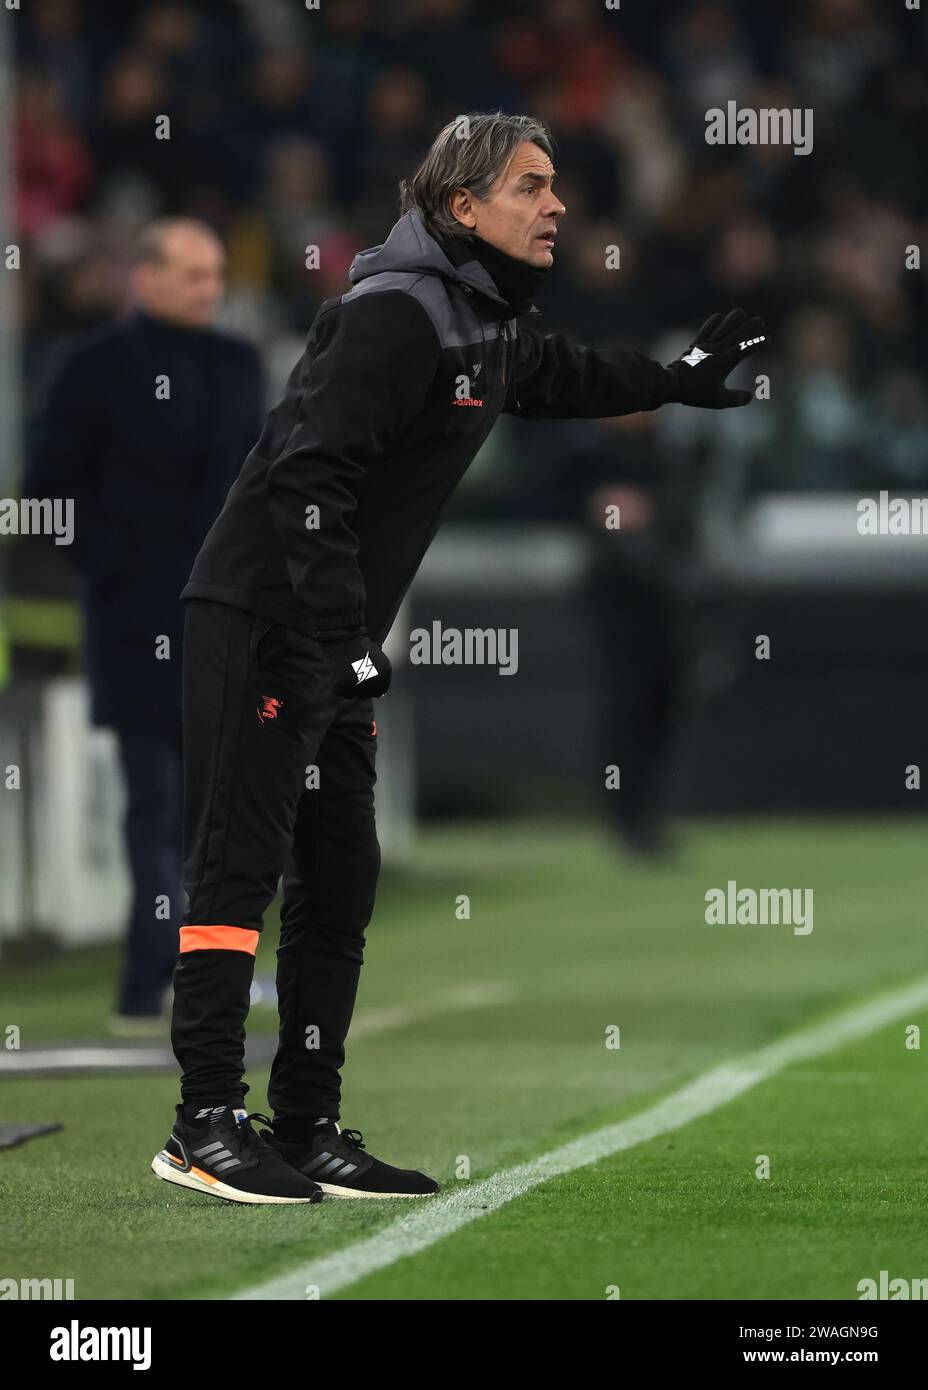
{"points": [[219, 1153]]}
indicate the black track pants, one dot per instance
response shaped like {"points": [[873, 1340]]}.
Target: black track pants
{"points": [[278, 780]]}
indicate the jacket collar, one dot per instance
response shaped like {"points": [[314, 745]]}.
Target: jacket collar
{"points": [[409, 247]]}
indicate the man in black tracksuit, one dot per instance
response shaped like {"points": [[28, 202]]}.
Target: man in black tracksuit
{"points": [[291, 598]]}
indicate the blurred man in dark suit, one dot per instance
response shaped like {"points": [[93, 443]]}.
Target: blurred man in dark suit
{"points": [[145, 425]]}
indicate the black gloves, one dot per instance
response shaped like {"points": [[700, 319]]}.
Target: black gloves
{"points": [[718, 347], [358, 664]]}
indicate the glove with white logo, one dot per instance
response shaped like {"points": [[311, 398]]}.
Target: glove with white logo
{"points": [[358, 664], [716, 350]]}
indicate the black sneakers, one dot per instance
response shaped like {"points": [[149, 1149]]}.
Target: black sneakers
{"points": [[337, 1161], [219, 1153]]}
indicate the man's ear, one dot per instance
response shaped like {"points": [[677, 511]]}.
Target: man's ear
{"points": [[461, 205]]}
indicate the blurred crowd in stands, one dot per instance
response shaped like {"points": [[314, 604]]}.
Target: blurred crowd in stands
{"points": [[290, 126]]}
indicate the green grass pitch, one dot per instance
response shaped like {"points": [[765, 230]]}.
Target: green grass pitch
{"points": [[575, 940]]}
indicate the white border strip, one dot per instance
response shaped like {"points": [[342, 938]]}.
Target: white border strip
{"points": [[441, 1216]]}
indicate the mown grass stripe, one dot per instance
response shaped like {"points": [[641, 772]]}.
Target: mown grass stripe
{"points": [[441, 1216]]}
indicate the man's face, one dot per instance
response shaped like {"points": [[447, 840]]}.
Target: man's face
{"points": [[186, 285], [520, 215]]}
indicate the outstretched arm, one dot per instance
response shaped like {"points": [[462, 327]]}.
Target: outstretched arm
{"points": [[552, 377]]}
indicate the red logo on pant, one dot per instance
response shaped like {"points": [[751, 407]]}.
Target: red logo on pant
{"points": [[269, 707]]}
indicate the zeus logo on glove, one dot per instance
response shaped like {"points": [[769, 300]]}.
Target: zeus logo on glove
{"points": [[695, 356], [364, 669], [749, 342]]}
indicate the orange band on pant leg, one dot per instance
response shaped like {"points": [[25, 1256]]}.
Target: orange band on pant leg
{"points": [[218, 939]]}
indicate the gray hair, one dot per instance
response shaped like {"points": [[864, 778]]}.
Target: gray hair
{"points": [[470, 152], [151, 246]]}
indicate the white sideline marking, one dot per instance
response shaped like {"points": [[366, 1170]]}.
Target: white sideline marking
{"points": [[438, 1217], [368, 1023], [81, 1058], [371, 1022]]}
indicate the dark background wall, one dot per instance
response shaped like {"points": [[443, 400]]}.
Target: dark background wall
{"points": [[829, 722]]}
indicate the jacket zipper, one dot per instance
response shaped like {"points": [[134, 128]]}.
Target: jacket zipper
{"points": [[504, 327], [504, 324]]}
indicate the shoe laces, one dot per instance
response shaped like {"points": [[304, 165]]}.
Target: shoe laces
{"points": [[353, 1136], [250, 1137]]}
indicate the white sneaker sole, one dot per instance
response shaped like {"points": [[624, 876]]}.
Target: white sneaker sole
{"points": [[331, 1190], [162, 1167]]}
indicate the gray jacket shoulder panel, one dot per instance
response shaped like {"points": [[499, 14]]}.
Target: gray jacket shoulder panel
{"points": [[455, 327]]}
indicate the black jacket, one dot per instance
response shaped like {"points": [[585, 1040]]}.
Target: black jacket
{"points": [[401, 381], [147, 477]]}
